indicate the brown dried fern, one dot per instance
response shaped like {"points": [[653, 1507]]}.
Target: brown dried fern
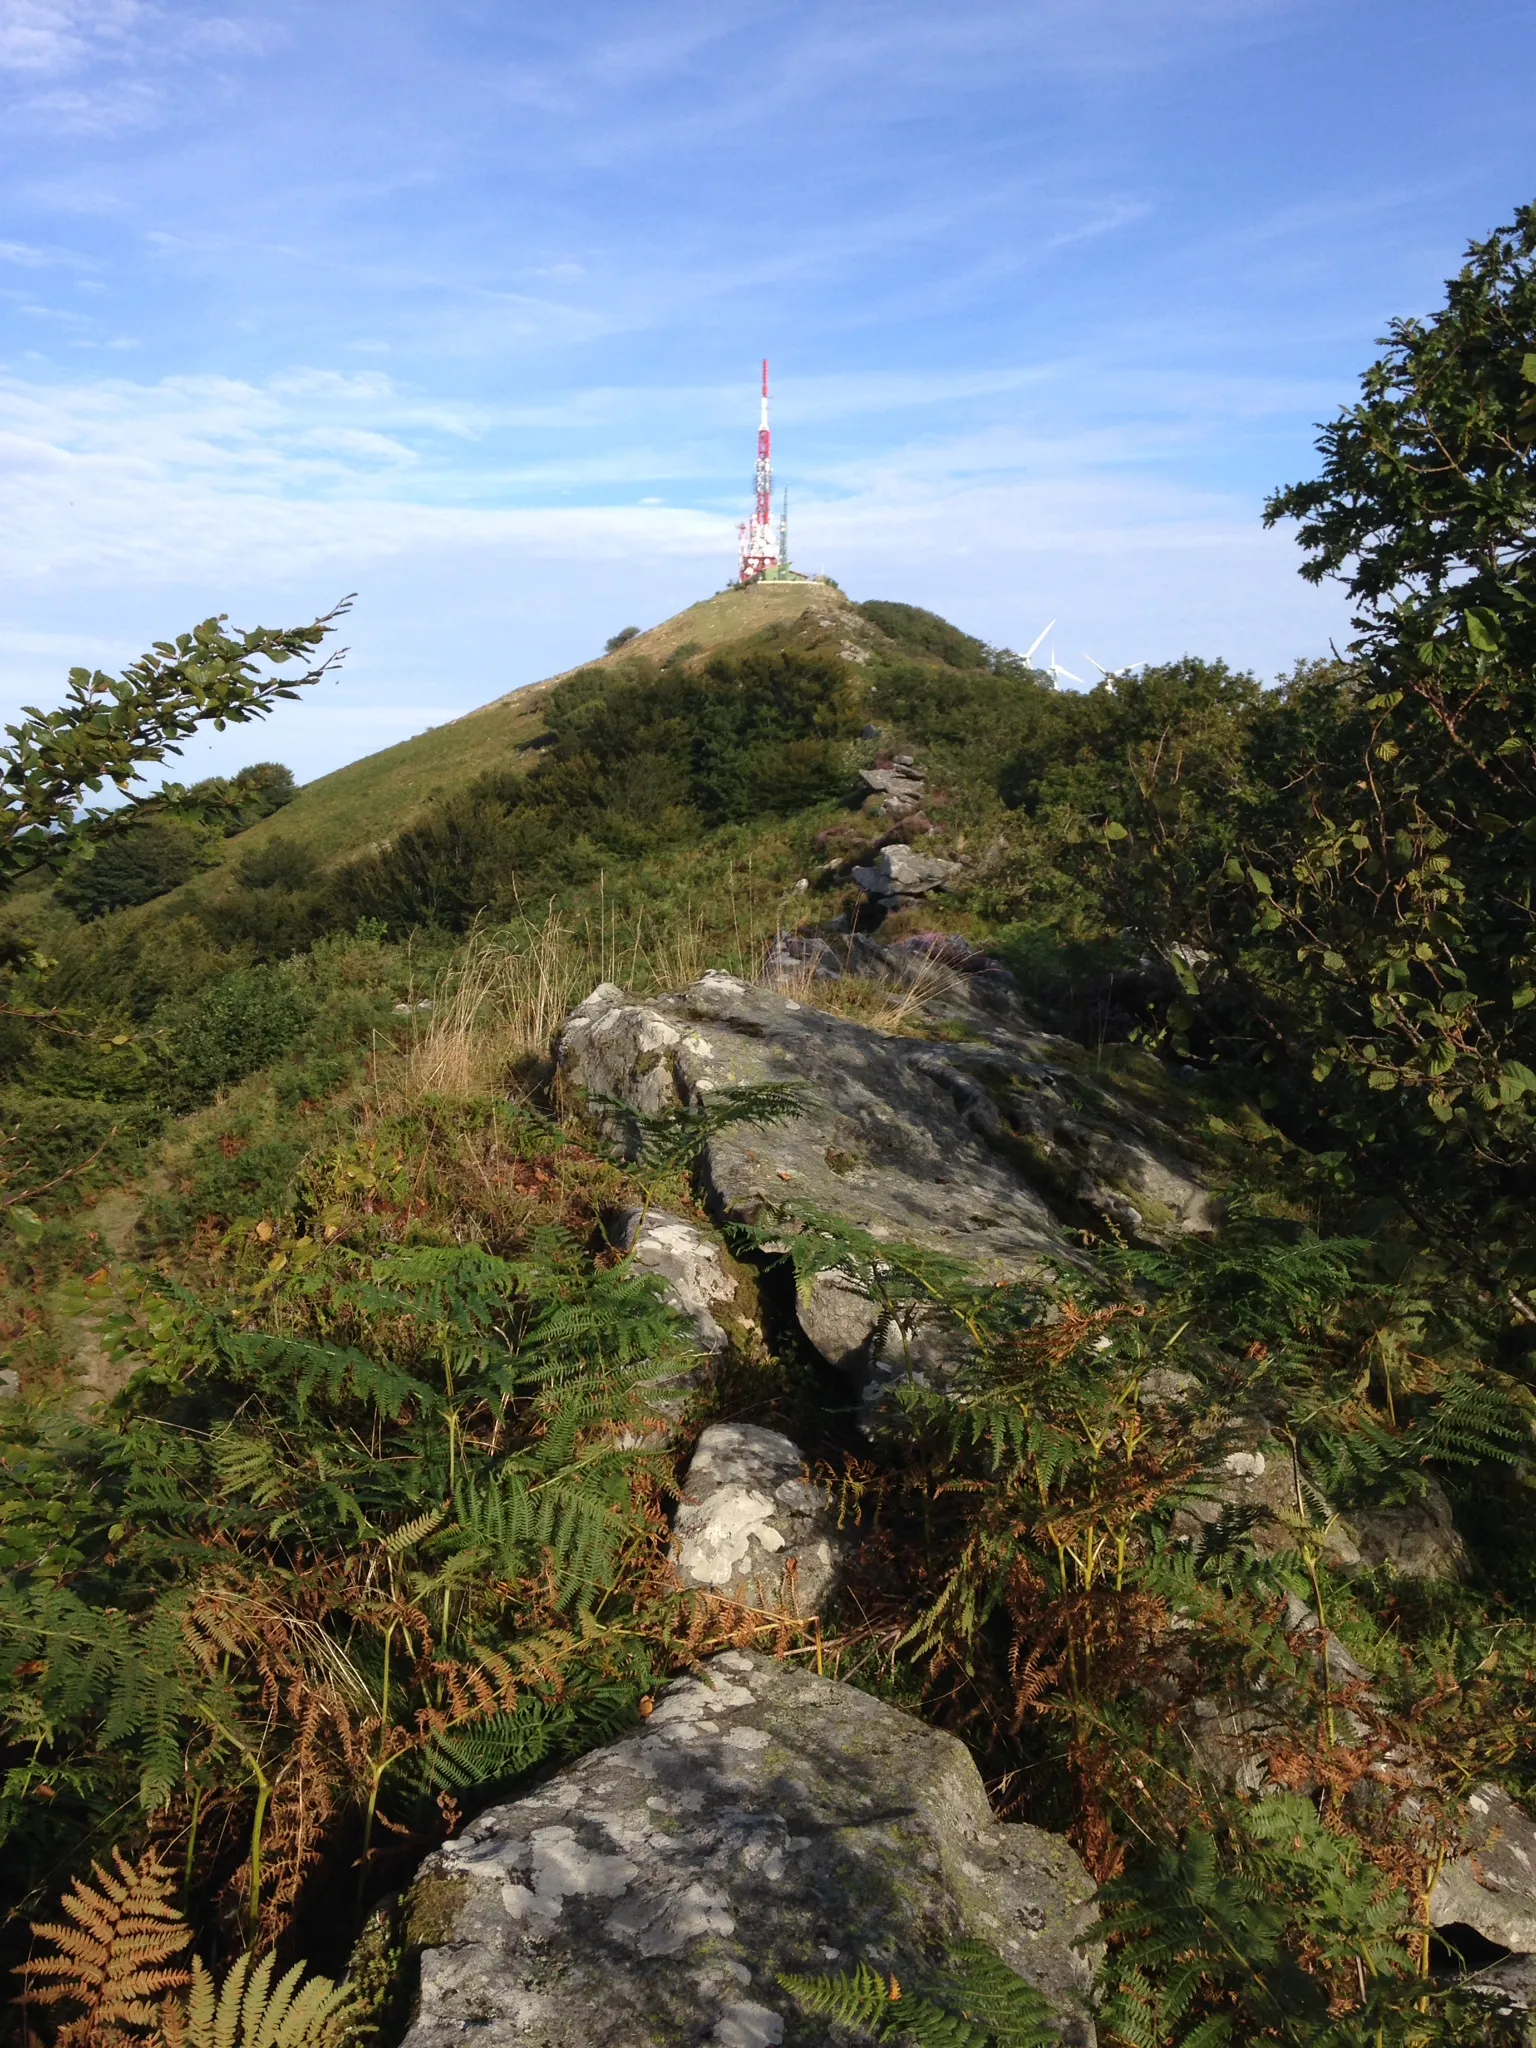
{"points": [[115, 1959]]}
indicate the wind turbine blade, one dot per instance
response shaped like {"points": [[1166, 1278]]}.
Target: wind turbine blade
{"points": [[1030, 649], [1070, 677], [1103, 671]]}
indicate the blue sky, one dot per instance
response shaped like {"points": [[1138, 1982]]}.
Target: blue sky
{"points": [[459, 305]]}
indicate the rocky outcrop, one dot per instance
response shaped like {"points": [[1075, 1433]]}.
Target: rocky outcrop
{"points": [[1417, 1539], [895, 791], [992, 1152], [1258, 1482], [762, 1821], [751, 1526], [1487, 1886], [880, 1143], [1491, 1885]]}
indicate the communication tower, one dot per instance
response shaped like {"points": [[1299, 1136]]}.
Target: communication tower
{"points": [[764, 553]]}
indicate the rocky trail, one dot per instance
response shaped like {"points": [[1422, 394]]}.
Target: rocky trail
{"points": [[655, 1891]]}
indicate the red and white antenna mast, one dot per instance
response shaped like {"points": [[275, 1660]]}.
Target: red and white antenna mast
{"points": [[759, 543]]}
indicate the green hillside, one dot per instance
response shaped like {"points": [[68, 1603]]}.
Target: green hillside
{"points": [[355, 806], [1114, 1139]]}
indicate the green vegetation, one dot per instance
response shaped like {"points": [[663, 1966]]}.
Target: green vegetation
{"points": [[148, 855], [335, 1500]]}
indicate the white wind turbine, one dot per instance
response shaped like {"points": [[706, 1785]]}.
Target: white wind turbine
{"points": [[1053, 667], [1029, 652], [1055, 671], [1109, 674]]}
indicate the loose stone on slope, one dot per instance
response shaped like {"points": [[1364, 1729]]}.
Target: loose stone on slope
{"points": [[751, 1527]]}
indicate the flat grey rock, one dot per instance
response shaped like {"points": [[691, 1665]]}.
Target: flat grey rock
{"points": [[880, 1144], [905, 784], [899, 872], [761, 1821], [989, 1152], [751, 1526]]}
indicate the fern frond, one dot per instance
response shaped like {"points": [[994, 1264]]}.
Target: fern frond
{"points": [[115, 1962], [249, 2011], [980, 2003], [862, 1997], [1014, 2012], [415, 1531]]}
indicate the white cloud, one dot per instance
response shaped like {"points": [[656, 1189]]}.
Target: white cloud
{"points": [[57, 35]]}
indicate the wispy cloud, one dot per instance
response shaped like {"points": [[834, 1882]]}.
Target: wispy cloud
{"points": [[460, 305], [49, 36]]}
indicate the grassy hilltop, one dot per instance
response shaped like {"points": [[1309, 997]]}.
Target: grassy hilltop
{"points": [[361, 803]]}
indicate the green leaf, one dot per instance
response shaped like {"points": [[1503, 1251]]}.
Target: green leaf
{"points": [[1261, 881], [1528, 368], [1185, 975], [1484, 630], [27, 1225]]}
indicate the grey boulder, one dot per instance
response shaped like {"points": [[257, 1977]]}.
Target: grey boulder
{"points": [[1417, 1540], [1491, 1885], [762, 1821], [751, 1526], [1259, 1479], [900, 875], [693, 1268]]}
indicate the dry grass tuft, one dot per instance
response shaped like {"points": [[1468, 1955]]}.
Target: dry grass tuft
{"points": [[500, 1004], [884, 1005]]}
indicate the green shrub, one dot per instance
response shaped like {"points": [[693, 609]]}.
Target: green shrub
{"points": [[230, 1028], [230, 1176], [76, 1145], [144, 860], [638, 759], [276, 864], [927, 634]]}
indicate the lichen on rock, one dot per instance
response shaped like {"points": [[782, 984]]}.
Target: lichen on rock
{"points": [[762, 1821]]}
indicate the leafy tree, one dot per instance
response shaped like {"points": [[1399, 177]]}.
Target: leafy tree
{"points": [[136, 865], [110, 729], [1406, 893], [263, 788]]}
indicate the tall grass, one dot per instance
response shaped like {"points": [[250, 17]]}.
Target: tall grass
{"points": [[496, 1010]]}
